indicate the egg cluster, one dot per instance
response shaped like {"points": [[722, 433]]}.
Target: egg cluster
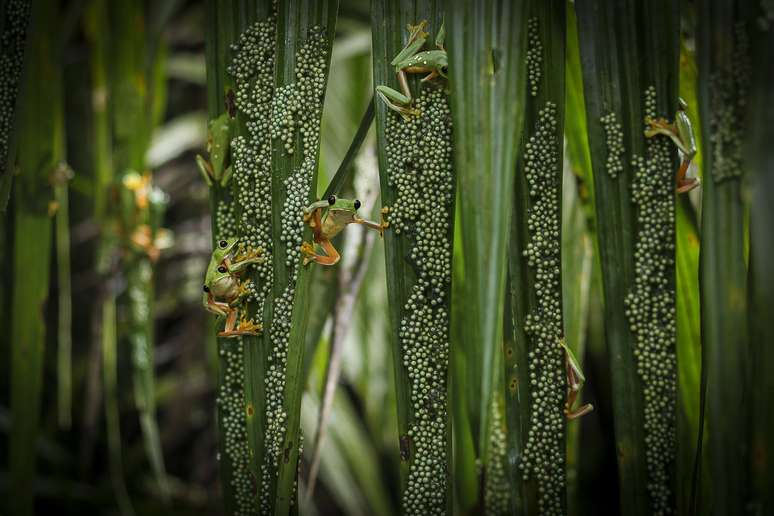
{"points": [[534, 55], [296, 112], [295, 121], [17, 14], [497, 493], [728, 101], [250, 216], [766, 19], [544, 451], [650, 307], [253, 72], [231, 409], [615, 146], [419, 168]]}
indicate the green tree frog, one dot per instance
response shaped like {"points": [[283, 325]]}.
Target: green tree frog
{"points": [[575, 381], [223, 290], [434, 63], [218, 168], [681, 133], [327, 218]]}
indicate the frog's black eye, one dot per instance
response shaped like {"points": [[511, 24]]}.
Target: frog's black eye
{"points": [[332, 200], [206, 288], [357, 204], [223, 244], [222, 269], [445, 70]]}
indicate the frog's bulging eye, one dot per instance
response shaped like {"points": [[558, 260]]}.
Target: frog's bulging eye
{"points": [[332, 200], [206, 288], [223, 244], [221, 269], [357, 204]]}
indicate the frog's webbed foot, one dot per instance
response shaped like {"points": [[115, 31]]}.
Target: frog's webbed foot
{"points": [[307, 249], [658, 126], [416, 31], [579, 412], [384, 224], [245, 327], [251, 256], [573, 388], [243, 292]]}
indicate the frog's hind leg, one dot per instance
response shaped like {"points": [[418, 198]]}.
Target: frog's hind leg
{"points": [[579, 412], [331, 256], [573, 388], [686, 184], [217, 307]]}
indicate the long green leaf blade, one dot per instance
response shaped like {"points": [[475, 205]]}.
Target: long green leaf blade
{"points": [[762, 249], [629, 54], [535, 383], [40, 147], [14, 18], [723, 52], [417, 183]]}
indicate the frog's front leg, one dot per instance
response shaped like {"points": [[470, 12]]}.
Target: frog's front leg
{"points": [[373, 225], [331, 256], [242, 261]]}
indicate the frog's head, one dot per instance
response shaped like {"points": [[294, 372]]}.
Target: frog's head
{"points": [[682, 105], [225, 246], [348, 205]]}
